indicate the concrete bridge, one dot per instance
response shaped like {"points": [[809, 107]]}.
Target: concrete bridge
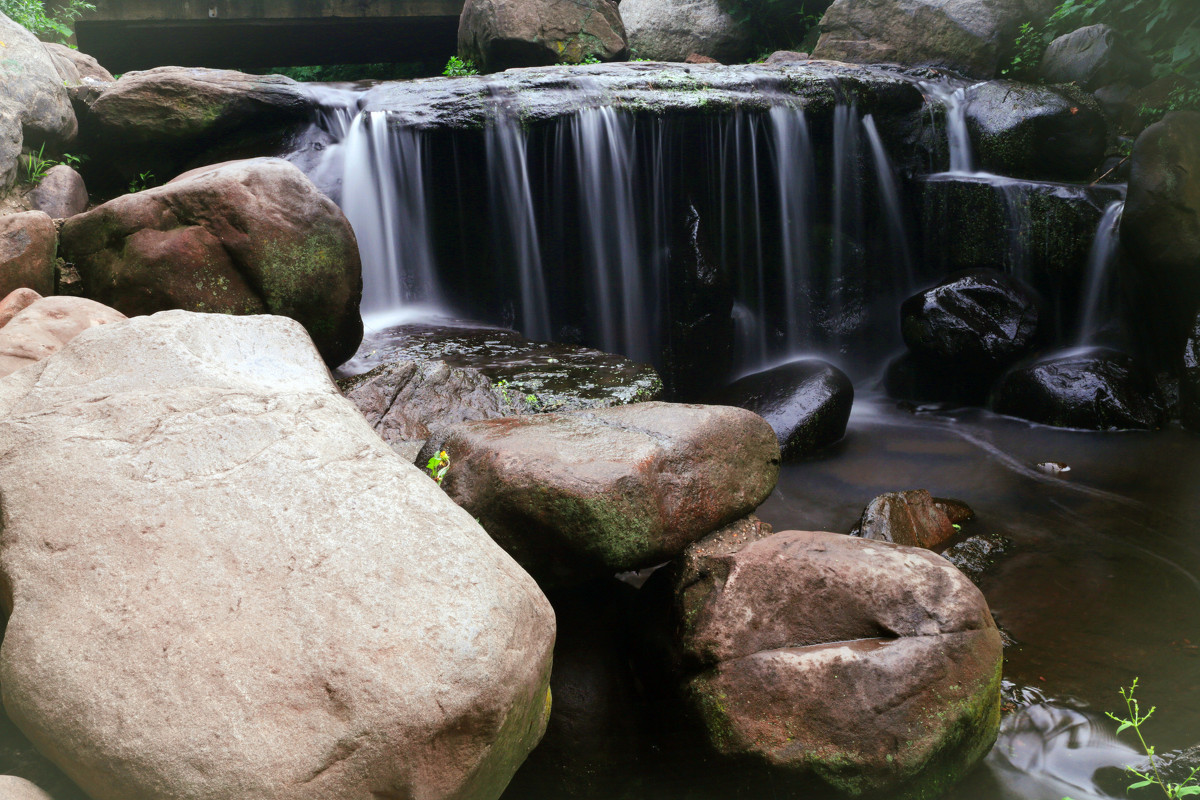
{"points": [[247, 34]]}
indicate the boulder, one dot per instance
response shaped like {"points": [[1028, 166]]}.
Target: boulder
{"points": [[913, 518], [1093, 389], [787, 57], [28, 246], [238, 590], [966, 36], [1093, 57], [16, 301], [74, 66], [981, 319], [1160, 230], [671, 30], [497, 35], [587, 494], [14, 788], [1189, 380], [34, 107], [245, 237], [806, 402], [44, 326], [873, 666], [1042, 132], [61, 193]]}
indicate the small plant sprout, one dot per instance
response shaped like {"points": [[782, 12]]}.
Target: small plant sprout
{"points": [[36, 165], [458, 68], [142, 182], [501, 386], [438, 465]]}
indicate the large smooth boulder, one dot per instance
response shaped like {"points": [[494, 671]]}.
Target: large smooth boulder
{"points": [[1093, 389], [806, 402], [914, 518], [1189, 381], [1160, 229], [42, 327], [14, 788], [873, 666], [1092, 57], [236, 589], [967, 36], [587, 494], [34, 106], [74, 66], [671, 30], [974, 319], [28, 246], [1041, 132], [245, 237], [499, 34], [61, 193]]}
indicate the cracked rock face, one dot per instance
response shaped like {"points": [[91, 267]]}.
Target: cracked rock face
{"points": [[874, 666], [236, 588], [585, 494]]}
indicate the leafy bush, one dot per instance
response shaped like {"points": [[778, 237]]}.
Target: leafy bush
{"points": [[54, 25], [457, 68]]}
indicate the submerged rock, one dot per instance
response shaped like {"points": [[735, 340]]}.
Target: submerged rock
{"points": [[245, 237], [42, 327], [807, 403], [499, 34], [873, 666], [28, 245], [228, 543], [672, 31], [587, 494], [913, 518], [1092, 389], [1029, 131]]}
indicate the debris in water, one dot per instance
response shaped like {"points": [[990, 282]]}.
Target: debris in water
{"points": [[1053, 467]]}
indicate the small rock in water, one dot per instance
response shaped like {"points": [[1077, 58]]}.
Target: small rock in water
{"points": [[1053, 467]]}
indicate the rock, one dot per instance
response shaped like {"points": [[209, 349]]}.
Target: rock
{"points": [[1189, 383], [1094, 390], [956, 511], [806, 402], [587, 494], [911, 518], [498, 35], [973, 319], [875, 667], [14, 788], [1092, 57], [246, 237], [1160, 230], [1042, 132], [975, 555], [16, 301], [787, 57], [662, 30], [74, 67], [527, 376], [696, 58], [34, 107], [44, 326], [28, 245], [61, 193], [406, 400], [229, 543], [966, 36]]}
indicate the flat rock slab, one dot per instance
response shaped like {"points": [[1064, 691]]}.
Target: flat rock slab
{"points": [[223, 584], [580, 495]]}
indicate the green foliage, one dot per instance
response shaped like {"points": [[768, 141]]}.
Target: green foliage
{"points": [[591, 58], [774, 24], [457, 68], [343, 73], [54, 25], [37, 165], [438, 466], [1181, 98], [142, 182]]}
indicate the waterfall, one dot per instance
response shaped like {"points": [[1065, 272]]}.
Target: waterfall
{"points": [[1098, 287], [889, 196], [953, 100], [794, 171]]}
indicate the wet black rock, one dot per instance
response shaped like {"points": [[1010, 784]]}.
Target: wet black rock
{"points": [[1092, 57], [1043, 132], [1090, 389], [1189, 382], [971, 319], [806, 402], [975, 555]]}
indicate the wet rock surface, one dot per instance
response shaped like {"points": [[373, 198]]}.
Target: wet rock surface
{"points": [[245, 237], [913, 518], [916, 697], [498, 35], [1041, 132], [28, 245], [807, 403], [1092, 389], [587, 494], [528, 376], [309, 591]]}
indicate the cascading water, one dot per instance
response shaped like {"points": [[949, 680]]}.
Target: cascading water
{"points": [[795, 174], [1098, 286], [953, 99], [889, 195]]}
